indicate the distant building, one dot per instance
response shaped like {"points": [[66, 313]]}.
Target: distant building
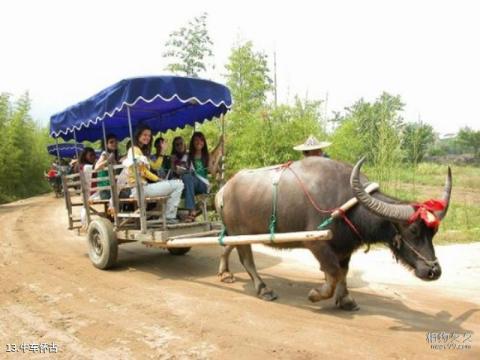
{"points": [[447, 136]]}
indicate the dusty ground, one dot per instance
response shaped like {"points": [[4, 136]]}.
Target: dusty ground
{"points": [[154, 305]]}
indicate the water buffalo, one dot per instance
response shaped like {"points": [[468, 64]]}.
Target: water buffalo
{"points": [[245, 203]]}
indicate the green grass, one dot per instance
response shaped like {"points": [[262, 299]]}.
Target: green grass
{"points": [[434, 174], [462, 223]]}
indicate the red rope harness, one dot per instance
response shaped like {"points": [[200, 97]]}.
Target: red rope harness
{"points": [[425, 211], [315, 205]]}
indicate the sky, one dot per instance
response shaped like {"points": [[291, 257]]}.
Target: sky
{"points": [[425, 51]]}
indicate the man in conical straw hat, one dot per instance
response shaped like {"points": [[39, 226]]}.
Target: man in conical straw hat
{"points": [[312, 147]]}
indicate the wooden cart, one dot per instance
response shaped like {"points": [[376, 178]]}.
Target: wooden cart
{"points": [[164, 103]]}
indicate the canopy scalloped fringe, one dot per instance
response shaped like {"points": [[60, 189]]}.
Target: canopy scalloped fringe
{"points": [[162, 102], [119, 109], [64, 149]]}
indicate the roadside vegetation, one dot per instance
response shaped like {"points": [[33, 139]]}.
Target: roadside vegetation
{"points": [[261, 131], [23, 154]]}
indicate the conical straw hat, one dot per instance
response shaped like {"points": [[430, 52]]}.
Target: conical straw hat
{"points": [[312, 144]]}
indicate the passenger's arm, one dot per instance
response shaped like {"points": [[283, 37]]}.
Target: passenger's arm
{"points": [[157, 164], [147, 174], [103, 161], [215, 157], [143, 168]]}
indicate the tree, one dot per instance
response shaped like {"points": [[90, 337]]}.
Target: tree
{"points": [[248, 78], [189, 48], [347, 145], [417, 137], [372, 129], [5, 113], [470, 139], [260, 133], [4, 110], [18, 146], [23, 156], [249, 82], [288, 125]]}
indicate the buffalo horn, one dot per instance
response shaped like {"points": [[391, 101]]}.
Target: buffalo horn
{"points": [[446, 195], [394, 212]]}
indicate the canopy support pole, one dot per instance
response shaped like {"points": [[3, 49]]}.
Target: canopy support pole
{"points": [[83, 182], [64, 185], [222, 159], [104, 137], [76, 149], [111, 175], [138, 184], [58, 153]]}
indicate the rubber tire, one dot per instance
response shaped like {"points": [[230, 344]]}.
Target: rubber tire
{"points": [[179, 251], [108, 240]]}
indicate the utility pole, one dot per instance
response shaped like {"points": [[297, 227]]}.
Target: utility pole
{"points": [[326, 112], [275, 77]]}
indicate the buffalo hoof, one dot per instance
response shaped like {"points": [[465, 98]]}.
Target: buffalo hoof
{"points": [[314, 295], [227, 277], [347, 303], [267, 294], [322, 293]]}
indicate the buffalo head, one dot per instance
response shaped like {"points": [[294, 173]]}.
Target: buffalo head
{"points": [[412, 244]]}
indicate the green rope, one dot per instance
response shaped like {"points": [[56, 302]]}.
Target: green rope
{"points": [[224, 228], [324, 224], [273, 218], [222, 235]]}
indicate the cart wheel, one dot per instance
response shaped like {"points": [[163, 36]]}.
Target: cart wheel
{"points": [[102, 243], [179, 251]]}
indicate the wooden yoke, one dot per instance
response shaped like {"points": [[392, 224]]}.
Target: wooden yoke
{"points": [[353, 201]]}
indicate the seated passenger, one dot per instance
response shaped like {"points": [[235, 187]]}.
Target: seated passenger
{"points": [[159, 161], [178, 159], [87, 158], [152, 184], [109, 155], [199, 163]]}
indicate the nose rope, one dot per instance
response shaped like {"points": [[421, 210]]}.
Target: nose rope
{"points": [[430, 263]]}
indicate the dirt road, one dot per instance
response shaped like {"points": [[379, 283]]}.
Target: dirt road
{"points": [[154, 305]]}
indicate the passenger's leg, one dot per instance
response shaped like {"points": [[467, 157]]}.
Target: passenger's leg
{"points": [[199, 186], [161, 188], [164, 188], [174, 200], [189, 186]]}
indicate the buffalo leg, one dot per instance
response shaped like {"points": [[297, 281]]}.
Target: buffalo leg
{"points": [[330, 266], [223, 270], [325, 291], [246, 258], [343, 299]]}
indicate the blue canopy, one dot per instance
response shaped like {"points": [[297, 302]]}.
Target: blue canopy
{"points": [[161, 102], [65, 150]]}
